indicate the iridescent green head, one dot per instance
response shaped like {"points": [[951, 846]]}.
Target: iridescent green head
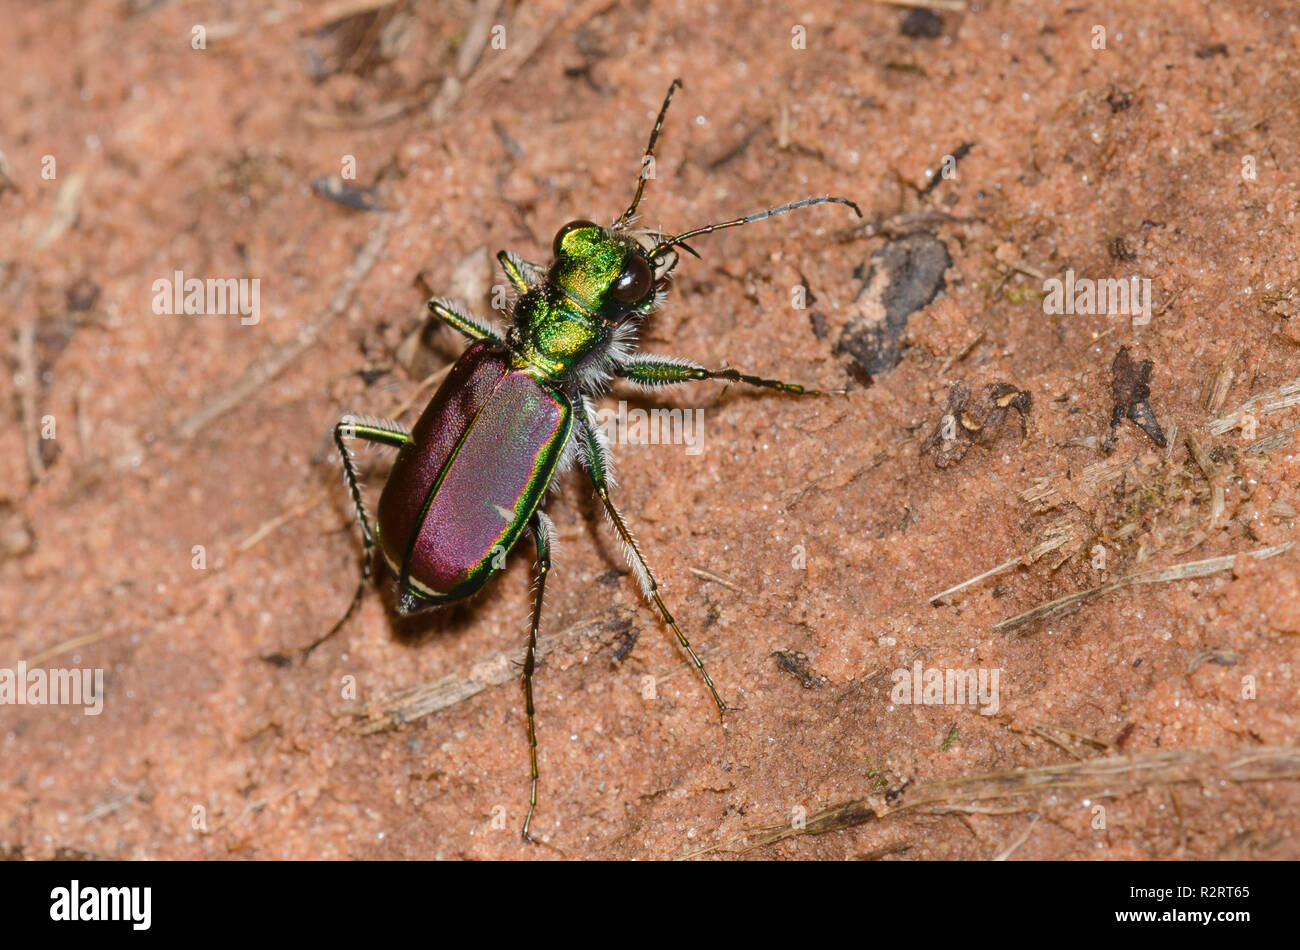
{"points": [[603, 271], [600, 281]]}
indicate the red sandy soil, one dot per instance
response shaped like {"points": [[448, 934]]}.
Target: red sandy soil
{"points": [[813, 526]]}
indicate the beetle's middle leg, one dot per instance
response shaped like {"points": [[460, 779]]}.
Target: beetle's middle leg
{"points": [[382, 432], [652, 371], [542, 529], [596, 459]]}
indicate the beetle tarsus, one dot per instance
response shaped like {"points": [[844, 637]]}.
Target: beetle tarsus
{"points": [[542, 530], [347, 615]]}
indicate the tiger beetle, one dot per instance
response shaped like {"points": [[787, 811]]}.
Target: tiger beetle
{"points": [[517, 408]]}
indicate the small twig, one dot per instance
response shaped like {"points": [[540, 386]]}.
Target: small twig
{"points": [[716, 578], [963, 352], [344, 9], [1094, 740], [900, 847], [1264, 404], [66, 203], [274, 361], [1040, 730], [1099, 337], [1177, 572], [1011, 848], [429, 697], [1221, 657], [1004, 566], [1027, 270], [974, 810], [1214, 389], [1110, 775], [1172, 299], [27, 389], [281, 519], [1211, 474], [1053, 537], [67, 646], [1272, 443], [477, 34], [952, 6]]}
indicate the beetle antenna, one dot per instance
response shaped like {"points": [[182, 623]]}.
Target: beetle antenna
{"points": [[647, 160], [661, 240], [663, 246]]}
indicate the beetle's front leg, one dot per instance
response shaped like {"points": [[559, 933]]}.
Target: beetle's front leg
{"points": [[651, 371], [463, 322], [597, 462], [523, 275], [381, 432]]}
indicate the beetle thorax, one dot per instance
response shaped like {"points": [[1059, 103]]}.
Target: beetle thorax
{"points": [[555, 333]]}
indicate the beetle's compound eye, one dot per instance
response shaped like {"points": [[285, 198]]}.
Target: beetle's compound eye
{"points": [[561, 234], [634, 281]]}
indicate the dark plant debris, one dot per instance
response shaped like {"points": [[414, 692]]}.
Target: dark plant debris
{"points": [[957, 154], [1131, 388], [1119, 100], [798, 665], [970, 423], [348, 195], [1119, 250], [921, 24]]}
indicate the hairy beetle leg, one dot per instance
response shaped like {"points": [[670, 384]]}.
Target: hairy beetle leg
{"points": [[467, 324], [651, 588], [596, 459], [653, 371], [381, 432]]}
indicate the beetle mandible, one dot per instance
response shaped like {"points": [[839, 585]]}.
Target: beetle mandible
{"points": [[515, 411]]}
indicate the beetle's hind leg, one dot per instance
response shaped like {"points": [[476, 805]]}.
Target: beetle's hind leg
{"points": [[652, 371], [542, 530], [382, 432], [597, 462]]}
